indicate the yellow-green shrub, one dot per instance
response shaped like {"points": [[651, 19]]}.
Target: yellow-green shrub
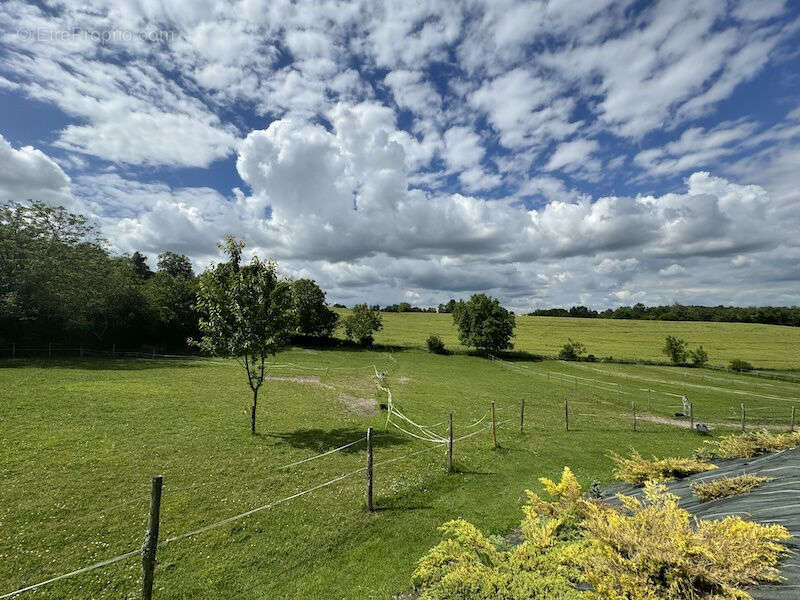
{"points": [[643, 550], [746, 445], [637, 470], [468, 566], [726, 487], [651, 550]]}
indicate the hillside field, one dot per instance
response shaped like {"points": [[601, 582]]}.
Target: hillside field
{"points": [[765, 346], [82, 438]]}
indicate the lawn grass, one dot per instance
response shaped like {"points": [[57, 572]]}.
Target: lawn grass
{"points": [[765, 346], [81, 439]]}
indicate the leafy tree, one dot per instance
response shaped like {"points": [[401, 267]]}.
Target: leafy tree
{"points": [[436, 344], [177, 265], [484, 324], [312, 316], [675, 348], [140, 266], [172, 301], [449, 307], [245, 312], [572, 350], [362, 323], [699, 356]]}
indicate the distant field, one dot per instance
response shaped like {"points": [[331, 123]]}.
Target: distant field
{"points": [[765, 346], [81, 439]]}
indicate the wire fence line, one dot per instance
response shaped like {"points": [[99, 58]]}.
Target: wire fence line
{"points": [[194, 532]]}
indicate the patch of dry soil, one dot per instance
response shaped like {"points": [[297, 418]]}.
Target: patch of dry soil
{"points": [[308, 379], [359, 406]]}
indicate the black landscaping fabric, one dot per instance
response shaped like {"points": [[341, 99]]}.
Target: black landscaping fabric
{"points": [[773, 502]]}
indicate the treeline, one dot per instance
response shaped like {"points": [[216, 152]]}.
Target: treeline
{"points": [[59, 283], [773, 315]]}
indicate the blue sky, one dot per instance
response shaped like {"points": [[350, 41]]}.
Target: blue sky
{"points": [[549, 153]]}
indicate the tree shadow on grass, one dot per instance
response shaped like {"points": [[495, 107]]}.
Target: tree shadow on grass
{"points": [[322, 440], [100, 364], [323, 344]]}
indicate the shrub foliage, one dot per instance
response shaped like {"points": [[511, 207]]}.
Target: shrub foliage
{"points": [[644, 550], [726, 487], [637, 470], [436, 344], [746, 445]]}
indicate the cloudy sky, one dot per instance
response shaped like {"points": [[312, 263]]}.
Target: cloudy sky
{"points": [[549, 153]]}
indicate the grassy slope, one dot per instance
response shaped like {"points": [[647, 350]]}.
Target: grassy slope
{"points": [[81, 440], [766, 346]]}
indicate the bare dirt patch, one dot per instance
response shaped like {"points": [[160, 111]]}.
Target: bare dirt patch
{"points": [[686, 424], [403, 379], [359, 406], [307, 379]]}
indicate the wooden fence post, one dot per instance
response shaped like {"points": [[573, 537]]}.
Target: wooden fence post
{"points": [[370, 507], [791, 427], [566, 414], [691, 416], [649, 398], [113, 350], [14, 350], [450, 447], [49, 349], [633, 409], [743, 417], [151, 539], [494, 427], [522, 416], [80, 351]]}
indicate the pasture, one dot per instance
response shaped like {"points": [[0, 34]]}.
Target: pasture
{"points": [[81, 439], [765, 346]]}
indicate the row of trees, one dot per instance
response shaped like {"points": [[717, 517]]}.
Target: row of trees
{"points": [[59, 283], [774, 315]]}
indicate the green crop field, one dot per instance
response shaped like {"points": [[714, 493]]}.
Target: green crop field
{"points": [[765, 346], [81, 439]]}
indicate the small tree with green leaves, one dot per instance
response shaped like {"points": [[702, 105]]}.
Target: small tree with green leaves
{"points": [[675, 348], [362, 323], [484, 324], [572, 350], [699, 356], [245, 312]]}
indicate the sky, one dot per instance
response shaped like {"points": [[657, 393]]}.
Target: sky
{"points": [[547, 153]]}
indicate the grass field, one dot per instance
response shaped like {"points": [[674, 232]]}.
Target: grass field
{"points": [[82, 438], [765, 346]]}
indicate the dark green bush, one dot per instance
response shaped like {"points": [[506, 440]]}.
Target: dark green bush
{"points": [[737, 364], [436, 344]]}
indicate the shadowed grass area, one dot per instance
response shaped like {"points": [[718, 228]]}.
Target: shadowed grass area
{"points": [[81, 440]]}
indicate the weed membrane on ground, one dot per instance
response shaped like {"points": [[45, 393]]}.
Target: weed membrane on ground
{"points": [[773, 502]]}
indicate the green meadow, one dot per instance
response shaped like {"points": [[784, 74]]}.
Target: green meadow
{"points": [[82, 438], [765, 346]]}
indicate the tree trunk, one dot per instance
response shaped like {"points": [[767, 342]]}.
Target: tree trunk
{"points": [[253, 412]]}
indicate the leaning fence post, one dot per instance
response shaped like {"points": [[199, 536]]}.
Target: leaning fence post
{"points": [[494, 427], [151, 539], [370, 507], [450, 447], [566, 414], [522, 417], [743, 417], [691, 415]]}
